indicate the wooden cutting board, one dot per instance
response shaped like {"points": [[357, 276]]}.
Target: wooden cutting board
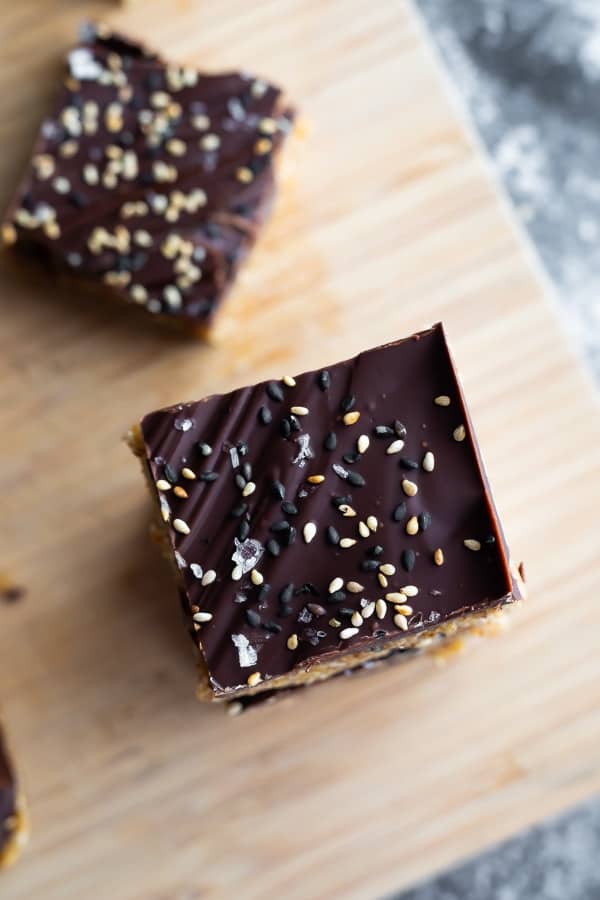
{"points": [[388, 223]]}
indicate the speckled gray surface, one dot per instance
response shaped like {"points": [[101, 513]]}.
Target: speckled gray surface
{"points": [[529, 73]]}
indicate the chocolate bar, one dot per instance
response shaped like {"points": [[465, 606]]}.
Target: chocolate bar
{"points": [[321, 521], [150, 179], [13, 818]]}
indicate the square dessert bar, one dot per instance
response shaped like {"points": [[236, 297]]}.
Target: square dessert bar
{"points": [[150, 179], [14, 828], [318, 522]]}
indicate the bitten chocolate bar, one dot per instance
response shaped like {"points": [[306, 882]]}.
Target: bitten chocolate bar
{"points": [[150, 179], [320, 521], [13, 819]]}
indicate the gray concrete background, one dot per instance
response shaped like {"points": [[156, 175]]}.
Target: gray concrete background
{"points": [[529, 74]]}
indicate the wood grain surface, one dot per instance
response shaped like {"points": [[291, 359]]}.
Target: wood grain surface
{"points": [[387, 222]]}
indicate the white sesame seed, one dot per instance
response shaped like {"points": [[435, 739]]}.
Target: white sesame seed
{"points": [[395, 447], [336, 584], [202, 617], [267, 125], [409, 487], [412, 526], [335, 623], [180, 492], [345, 543], [438, 557], [346, 510], [289, 381], [380, 609], [292, 642], [382, 580], [368, 610], [188, 473], [351, 418], [459, 433], [163, 485], [372, 523], [316, 479], [396, 597], [309, 531], [210, 142], [254, 679], [181, 526], [235, 708], [362, 444], [400, 622], [172, 296], [256, 578], [363, 530], [404, 608], [249, 488], [387, 569], [356, 619], [472, 544], [354, 587], [237, 573], [347, 633], [442, 400], [428, 462], [208, 577], [411, 590], [299, 410]]}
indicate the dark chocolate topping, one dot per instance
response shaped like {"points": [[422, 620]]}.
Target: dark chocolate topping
{"points": [[425, 542], [150, 177], [7, 795]]}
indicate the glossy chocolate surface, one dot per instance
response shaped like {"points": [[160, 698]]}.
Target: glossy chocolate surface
{"points": [[418, 432], [150, 178]]}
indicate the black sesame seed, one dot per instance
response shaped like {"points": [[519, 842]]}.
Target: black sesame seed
{"points": [[337, 597], [246, 470], [356, 479], [400, 429], [351, 458], [332, 535], [204, 449], [208, 476], [238, 510], [278, 489], [252, 617], [290, 536], [379, 633], [264, 590], [274, 391], [289, 508], [170, 474], [281, 525], [240, 481], [383, 431], [243, 530], [285, 428], [265, 416], [307, 588], [273, 547], [324, 380], [330, 442], [376, 550], [286, 593], [316, 609], [490, 539], [294, 423], [408, 560], [347, 403], [407, 463], [78, 200], [274, 627], [369, 565], [340, 501], [424, 520], [285, 610], [346, 611], [399, 512]]}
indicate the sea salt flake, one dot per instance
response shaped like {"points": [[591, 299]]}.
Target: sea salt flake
{"points": [[247, 655], [180, 560], [183, 424], [304, 450], [83, 66], [247, 554], [197, 571]]}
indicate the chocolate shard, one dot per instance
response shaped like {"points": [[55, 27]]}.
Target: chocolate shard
{"points": [[150, 180], [354, 555]]}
